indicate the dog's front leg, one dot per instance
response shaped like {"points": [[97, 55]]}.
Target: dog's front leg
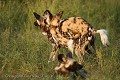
{"points": [[79, 53], [53, 54]]}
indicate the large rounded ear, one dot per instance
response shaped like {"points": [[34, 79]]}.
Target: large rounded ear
{"points": [[48, 14], [59, 14], [37, 16]]}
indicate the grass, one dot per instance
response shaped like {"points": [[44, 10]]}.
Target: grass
{"points": [[24, 51]]}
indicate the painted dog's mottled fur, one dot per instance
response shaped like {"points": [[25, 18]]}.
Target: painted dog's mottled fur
{"points": [[61, 41], [77, 27], [73, 33]]}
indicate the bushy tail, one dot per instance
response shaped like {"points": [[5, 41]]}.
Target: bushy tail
{"points": [[104, 37]]}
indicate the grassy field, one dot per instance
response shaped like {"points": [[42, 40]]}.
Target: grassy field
{"points": [[24, 51]]}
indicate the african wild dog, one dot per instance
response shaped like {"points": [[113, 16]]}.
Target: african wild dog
{"points": [[76, 32], [77, 28], [55, 23], [61, 41], [79, 44], [67, 65]]}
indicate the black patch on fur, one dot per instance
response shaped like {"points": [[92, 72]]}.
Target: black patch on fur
{"points": [[36, 24], [37, 16], [82, 22], [74, 67], [45, 21], [60, 14], [69, 24], [60, 56], [61, 24], [74, 20], [92, 42], [48, 12], [88, 50], [79, 18]]}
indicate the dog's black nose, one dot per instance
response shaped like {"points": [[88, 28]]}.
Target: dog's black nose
{"points": [[36, 24]]}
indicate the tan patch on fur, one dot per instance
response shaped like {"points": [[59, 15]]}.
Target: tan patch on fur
{"points": [[55, 21], [76, 25]]}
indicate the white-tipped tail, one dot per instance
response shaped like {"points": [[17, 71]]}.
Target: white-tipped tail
{"points": [[70, 45], [104, 36]]}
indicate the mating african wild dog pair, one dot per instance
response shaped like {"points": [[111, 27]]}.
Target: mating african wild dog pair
{"points": [[73, 33]]}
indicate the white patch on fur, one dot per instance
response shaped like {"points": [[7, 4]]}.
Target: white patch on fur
{"points": [[61, 20], [44, 33], [38, 22], [104, 36], [69, 34], [90, 29], [54, 40], [79, 39], [89, 38], [47, 19], [70, 45]]}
